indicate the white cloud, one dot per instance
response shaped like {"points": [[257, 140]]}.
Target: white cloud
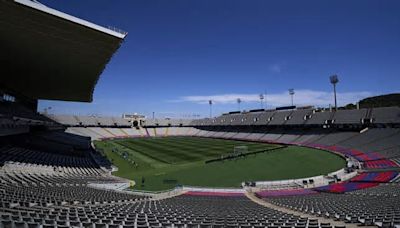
{"points": [[301, 98]]}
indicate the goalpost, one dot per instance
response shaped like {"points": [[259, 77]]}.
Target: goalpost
{"points": [[238, 150]]}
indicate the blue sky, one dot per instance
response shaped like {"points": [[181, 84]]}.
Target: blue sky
{"points": [[178, 54]]}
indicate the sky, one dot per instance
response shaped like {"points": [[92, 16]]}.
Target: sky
{"points": [[181, 53]]}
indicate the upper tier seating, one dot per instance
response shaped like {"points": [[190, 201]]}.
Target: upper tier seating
{"points": [[280, 117], [16, 111], [264, 118], [22, 155], [320, 118], [87, 120], [250, 118], [221, 120], [68, 120], [169, 122], [299, 117], [10, 126], [237, 119], [105, 121], [350, 116], [92, 121], [386, 115], [120, 122], [96, 133]]}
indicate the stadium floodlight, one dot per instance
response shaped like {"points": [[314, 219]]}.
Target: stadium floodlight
{"points": [[291, 93], [261, 100], [210, 102], [46, 110], [334, 80], [265, 97], [239, 101]]}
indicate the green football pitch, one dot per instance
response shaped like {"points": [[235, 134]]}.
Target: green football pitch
{"points": [[165, 162]]}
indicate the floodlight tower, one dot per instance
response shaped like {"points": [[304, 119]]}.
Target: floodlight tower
{"points": [[239, 101], [261, 100], [46, 110], [210, 102], [291, 93], [334, 80], [265, 97]]}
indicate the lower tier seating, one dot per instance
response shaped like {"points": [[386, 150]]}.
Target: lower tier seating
{"points": [[378, 206], [181, 211]]}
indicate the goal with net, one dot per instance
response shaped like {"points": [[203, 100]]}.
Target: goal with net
{"points": [[238, 150]]}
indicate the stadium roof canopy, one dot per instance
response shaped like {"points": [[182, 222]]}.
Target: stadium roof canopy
{"points": [[47, 54]]}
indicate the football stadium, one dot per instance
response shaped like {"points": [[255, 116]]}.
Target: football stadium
{"points": [[287, 166]]}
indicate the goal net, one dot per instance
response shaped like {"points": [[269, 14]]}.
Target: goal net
{"points": [[237, 150]]}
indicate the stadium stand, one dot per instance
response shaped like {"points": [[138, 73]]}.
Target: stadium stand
{"points": [[264, 118], [386, 115], [320, 117], [85, 132], [308, 137], [284, 192], [168, 122], [367, 144], [372, 206], [63, 168], [67, 120], [20, 113], [51, 176], [334, 138], [89, 121], [250, 118], [120, 122], [372, 146], [109, 209], [237, 119], [349, 116], [9, 126], [269, 137], [206, 122], [103, 121], [299, 117], [220, 120], [387, 147], [253, 136], [368, 136], [383, 177], [280, 118]]}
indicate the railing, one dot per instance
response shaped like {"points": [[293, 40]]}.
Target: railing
{"points": [[210, 189], [158, 194], [181, 189]]}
